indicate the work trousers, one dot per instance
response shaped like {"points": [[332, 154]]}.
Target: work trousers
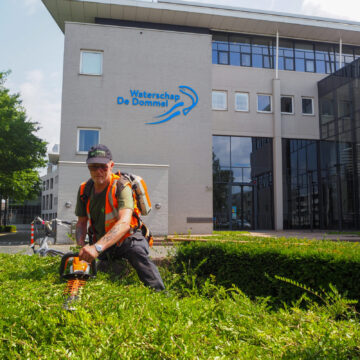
{"points": [[135, 249]]}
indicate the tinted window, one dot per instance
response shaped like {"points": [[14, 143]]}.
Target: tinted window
{"points": [[87, 139]]}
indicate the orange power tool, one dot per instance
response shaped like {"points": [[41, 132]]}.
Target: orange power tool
{"points": [[76, 272]]}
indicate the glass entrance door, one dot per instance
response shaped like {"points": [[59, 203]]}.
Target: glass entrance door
{"points": [[233, 206]]}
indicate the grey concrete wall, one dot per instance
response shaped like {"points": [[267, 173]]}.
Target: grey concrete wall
{"points": [[254, 81], [149, 60]]}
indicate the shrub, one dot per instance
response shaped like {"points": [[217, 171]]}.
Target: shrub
{"points": [[121, 319], [10, 228], [252, 266]]}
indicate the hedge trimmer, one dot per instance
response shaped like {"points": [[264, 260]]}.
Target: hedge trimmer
{"points": [[76, 272]]}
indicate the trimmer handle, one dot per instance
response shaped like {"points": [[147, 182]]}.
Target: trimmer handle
{"points": [[64, 260]]}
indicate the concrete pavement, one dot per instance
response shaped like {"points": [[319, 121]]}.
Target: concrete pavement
{"points": [[18, 242]]}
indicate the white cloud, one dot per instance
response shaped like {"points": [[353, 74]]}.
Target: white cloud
{"points": [[42, 105], [345, 9]]}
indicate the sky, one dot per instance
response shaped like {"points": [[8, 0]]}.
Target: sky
{"points": [[32, 47]]}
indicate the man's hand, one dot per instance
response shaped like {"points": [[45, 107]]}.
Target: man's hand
{"points": [[88, 253]]}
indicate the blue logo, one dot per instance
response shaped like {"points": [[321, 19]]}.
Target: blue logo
{"points": [[146, 98]]}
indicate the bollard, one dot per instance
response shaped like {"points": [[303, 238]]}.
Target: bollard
{"points": [[32, 234]]}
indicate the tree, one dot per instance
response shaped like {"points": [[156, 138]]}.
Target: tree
{"points": [[21, 151]]}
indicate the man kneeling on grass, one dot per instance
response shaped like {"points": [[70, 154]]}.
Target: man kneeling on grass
{"points": [[110, 210]]}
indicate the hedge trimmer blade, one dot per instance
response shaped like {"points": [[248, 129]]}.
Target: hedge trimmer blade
{"points": [[76, 275], [73, 290]]}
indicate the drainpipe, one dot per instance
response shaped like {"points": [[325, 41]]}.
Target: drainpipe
{"points": [[340, 53], [277, 147], [277, 56]]}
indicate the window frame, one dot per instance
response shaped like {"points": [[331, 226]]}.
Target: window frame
{"points": [[292, 104], [248, 101], [82, 51], [78, 137], [257, 104], [312, 105], [226, 100]]}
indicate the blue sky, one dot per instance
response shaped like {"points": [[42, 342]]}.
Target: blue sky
{"points": [[32, 48]]}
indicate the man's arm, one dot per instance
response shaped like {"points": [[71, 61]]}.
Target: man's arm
{"points": [[121, 227], [81, 229]]}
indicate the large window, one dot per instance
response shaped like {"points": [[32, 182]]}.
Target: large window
{"points": [[241, 101], [264, 103], [91, 62], [219, 100], [242, 178], [287, 105], [301, 188], [286, 55], [87, 138], [307, 106], [259, 51]]}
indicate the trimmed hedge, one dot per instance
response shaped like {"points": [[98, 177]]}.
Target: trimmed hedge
{"points": [[7, 228], [118, 318], [252, 265]]}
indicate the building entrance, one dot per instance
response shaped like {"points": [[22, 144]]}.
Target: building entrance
{"points": [[234, 206]]}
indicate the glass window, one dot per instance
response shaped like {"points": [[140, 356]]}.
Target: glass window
{"points": [[219, 100], [214, 56], [264, 103], [262, 52], [304, 54], [241, 149], [91, 62], [245, 60], [221, 151], [287, 105], [241, 101], [307, 106], [51, 183], [223, 57], [87, 138], [286, 55]]}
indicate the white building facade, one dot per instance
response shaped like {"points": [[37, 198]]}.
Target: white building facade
{"points": [[206, 103]]}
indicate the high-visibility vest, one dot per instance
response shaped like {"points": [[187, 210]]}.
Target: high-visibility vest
{"points": [[111, 207]]}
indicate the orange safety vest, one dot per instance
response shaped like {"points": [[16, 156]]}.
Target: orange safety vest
{"points": [[111, 207]]}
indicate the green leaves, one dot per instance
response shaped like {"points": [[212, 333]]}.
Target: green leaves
{"points": [[245, 263], [21, 151], [120, 318]]}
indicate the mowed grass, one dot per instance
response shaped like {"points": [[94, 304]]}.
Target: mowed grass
{"points": [[118, 318]]}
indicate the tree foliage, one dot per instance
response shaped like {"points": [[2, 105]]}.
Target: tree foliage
{"points": [[21, 151]]}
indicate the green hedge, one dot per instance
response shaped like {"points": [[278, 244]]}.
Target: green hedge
{"points": [[7, 228], [118, 318], [252, 265]]}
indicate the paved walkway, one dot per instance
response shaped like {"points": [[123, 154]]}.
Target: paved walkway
{"points": [[18, 242], [316, 234]]}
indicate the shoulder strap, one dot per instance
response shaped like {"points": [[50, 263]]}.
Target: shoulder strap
{"points": [[123, 181], [87, 191]]}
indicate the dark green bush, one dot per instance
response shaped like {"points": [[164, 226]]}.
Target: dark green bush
{"points": [[251, 266], [10, 228], [7, 228], [118, 318]]}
